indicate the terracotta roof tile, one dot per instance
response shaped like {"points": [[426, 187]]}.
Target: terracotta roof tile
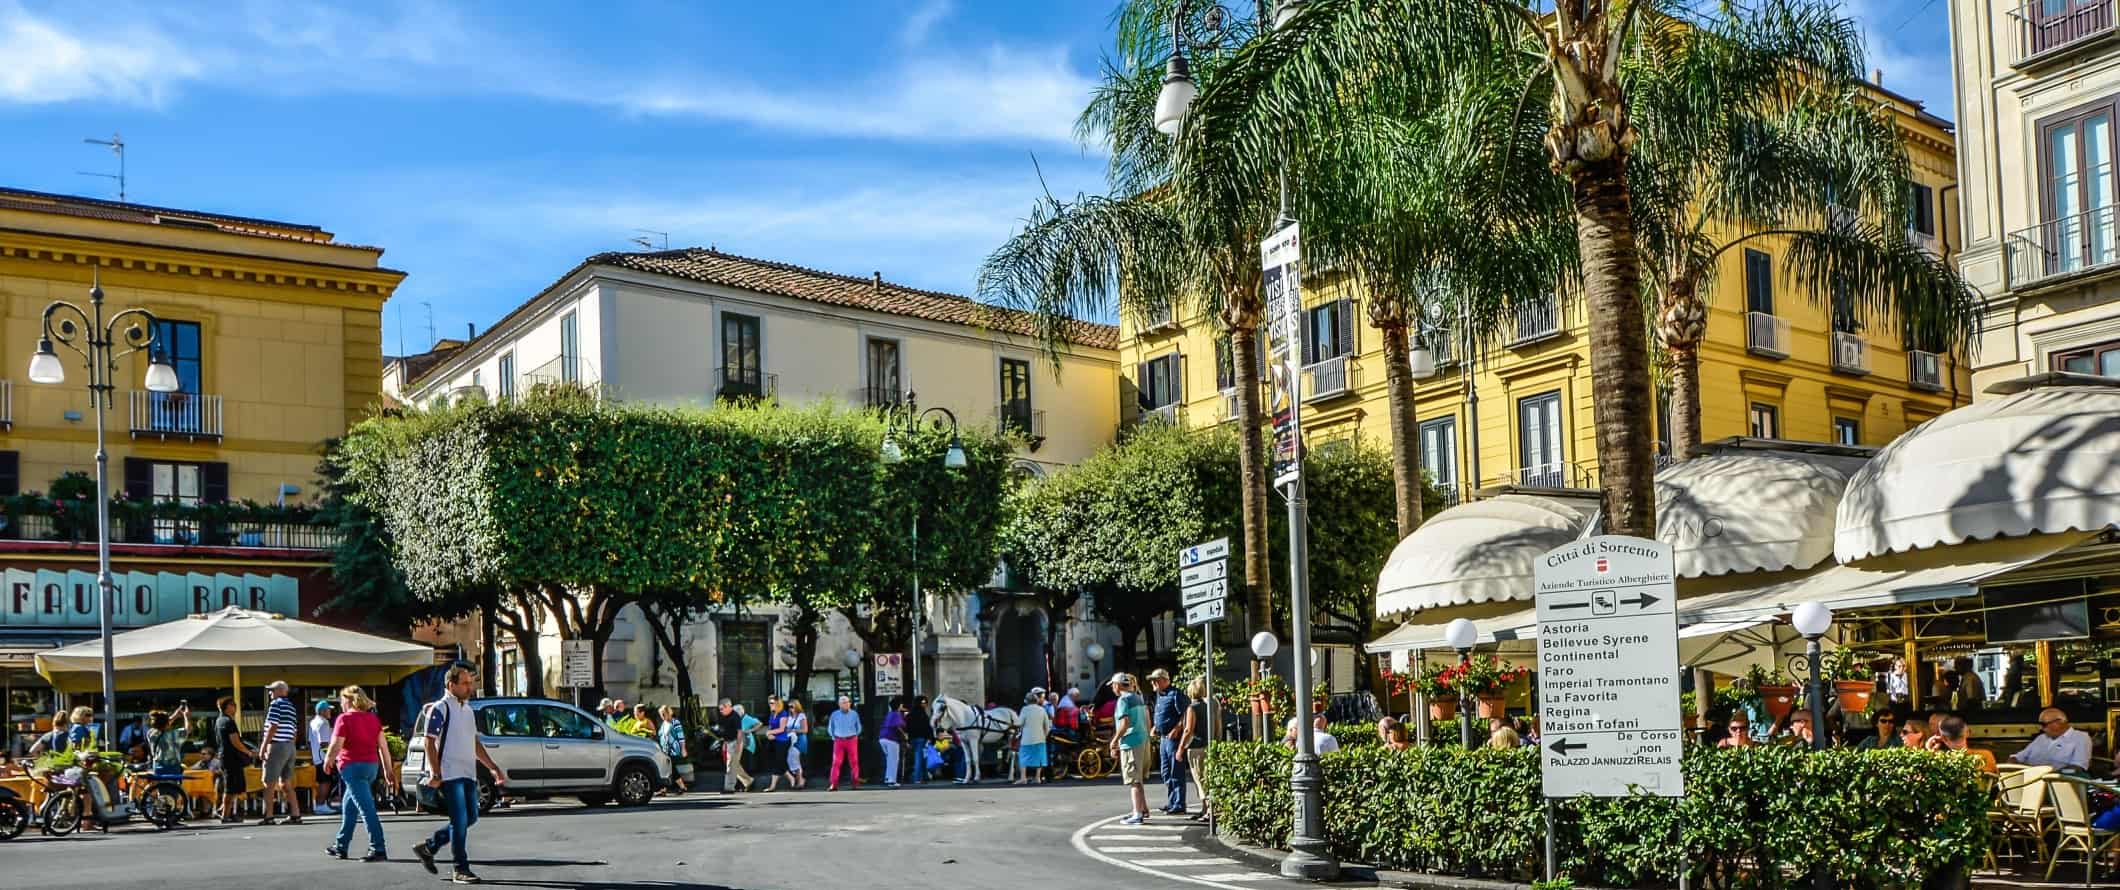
{"points": [[874, 293], [145, 214]]}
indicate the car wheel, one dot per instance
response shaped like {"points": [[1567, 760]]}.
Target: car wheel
{"points": [[488, 793], [634, 785], [594, 800]]}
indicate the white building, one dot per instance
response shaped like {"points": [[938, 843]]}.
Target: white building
{"points": [[690, 326]]}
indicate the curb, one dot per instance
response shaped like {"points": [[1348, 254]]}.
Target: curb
{"points": [[1359, 875]]}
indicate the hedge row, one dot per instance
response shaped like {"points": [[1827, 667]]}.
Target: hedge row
{"points": [[1754, 818]]}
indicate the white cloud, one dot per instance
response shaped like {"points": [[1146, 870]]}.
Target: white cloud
{"points": [[42, 63], [922, 20], [1004, 93]]}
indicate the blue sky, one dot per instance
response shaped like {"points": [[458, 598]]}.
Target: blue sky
{"points": [[489, 148]]}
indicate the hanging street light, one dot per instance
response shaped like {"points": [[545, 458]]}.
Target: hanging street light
{"points": [[100, 342]]}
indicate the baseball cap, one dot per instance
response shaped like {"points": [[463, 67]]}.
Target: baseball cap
{"points": [[323, 706], [277, 685], [1122, 678], [1159, 674]]}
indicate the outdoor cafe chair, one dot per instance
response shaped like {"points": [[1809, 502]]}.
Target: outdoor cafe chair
{"points": [[2072, 820], [2023, 812]]}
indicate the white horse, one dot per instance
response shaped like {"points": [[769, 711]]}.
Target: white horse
{"points": [[976, 730]]}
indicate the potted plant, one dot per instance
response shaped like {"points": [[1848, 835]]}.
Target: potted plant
{"points": [[1485, 678], [1854, 679], [1776, 694], [1687, 715], [1442, 700]]}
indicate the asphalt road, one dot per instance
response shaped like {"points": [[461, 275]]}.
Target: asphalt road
{"points": [[989, 837]]}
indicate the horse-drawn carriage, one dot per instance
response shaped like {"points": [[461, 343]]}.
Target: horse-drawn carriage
{"points": [[1083, 749]]}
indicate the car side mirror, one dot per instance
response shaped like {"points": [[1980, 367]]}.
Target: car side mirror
{"points": [[596, 732]]}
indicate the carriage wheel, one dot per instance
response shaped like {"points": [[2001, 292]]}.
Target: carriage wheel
{"points": [[1090, 763]]}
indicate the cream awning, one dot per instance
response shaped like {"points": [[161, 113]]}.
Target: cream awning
{"points": [[2045, 457], [1747, 508], [1481, 552], [206, 651]]}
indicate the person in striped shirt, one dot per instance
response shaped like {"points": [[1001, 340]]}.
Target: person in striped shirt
{"points": [[282, 724]]}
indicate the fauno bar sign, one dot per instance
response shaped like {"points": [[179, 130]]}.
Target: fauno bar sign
{"points": [[51, 598]]}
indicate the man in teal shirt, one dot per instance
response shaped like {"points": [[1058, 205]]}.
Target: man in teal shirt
{"points": [[1130, 744]]}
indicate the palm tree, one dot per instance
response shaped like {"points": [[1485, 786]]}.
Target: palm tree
{"points": [[1150, 249], [1741, 141], [1576, 68]]}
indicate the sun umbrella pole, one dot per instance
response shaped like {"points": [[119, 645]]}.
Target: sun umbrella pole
{"points": [[236, 693]]}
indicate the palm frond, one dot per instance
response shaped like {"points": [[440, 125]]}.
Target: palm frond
{"points": [[1085, 258], [1879, 276]]}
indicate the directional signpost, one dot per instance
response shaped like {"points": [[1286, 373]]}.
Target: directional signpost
{"points": [[1608, 669], [1203, 588]]}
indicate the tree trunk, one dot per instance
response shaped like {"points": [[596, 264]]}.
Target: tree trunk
{"points": [[1682, 322], [1251, 470], [668, 628], [805, 630], [1623, 406], [1407, 481], [525, 627]]}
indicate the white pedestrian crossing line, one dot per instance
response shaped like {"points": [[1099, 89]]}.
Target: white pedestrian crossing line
{"points": [[1137, 838], [1238, 876], [1203, 860], [1134, 849], [1180, 856]]}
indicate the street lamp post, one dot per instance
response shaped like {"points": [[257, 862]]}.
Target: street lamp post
{"points": [[1812, 619], [1310, 855], [1461, 634], [1263, 645], [97, 340], [903, 420]]}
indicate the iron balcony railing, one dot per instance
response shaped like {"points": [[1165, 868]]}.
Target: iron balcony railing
{"points": [[178, 532], [565, 369], [747, 383], [1329, 379], [175, 415], [1021, 420], [1537, 321], [1550, 475], [1851, 353], [1924, 370], [1767, 334], [2046, 27], [1926, 242], [1168, 415], [2080, 242], [876, 396]]}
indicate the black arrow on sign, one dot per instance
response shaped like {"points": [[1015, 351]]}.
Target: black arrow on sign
{"points": [[1644, 601], [1559, 606], [1562, 747]]}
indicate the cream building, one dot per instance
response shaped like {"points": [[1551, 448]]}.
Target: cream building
{"points": [[692, 326], [2038, 90]]}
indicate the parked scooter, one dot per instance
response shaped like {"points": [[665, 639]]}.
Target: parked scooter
{"points": [[15, 814]]}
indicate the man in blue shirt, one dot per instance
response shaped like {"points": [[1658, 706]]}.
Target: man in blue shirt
{"points": [[845, 727], [1169, 723]]}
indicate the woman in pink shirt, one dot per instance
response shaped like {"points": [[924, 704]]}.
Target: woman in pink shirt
{"points": [[359, 754]]}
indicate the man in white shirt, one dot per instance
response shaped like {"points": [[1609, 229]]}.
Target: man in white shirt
{"points": [[453, 759], [320, 740], [1321, 740], [2057, 745]]}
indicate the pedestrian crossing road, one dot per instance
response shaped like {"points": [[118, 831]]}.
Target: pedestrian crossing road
{"points": [[1178, 850]]}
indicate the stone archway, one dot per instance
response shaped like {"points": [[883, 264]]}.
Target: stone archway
{"points": [[1019, 657]]}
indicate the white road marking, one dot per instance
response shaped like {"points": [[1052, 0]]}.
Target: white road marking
{"points": [[1080, 840], [1137, 838], [1136, 849], [1205, 860]]}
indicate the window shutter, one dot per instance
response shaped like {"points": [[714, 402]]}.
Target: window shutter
{"points": [[10, 473], [1346, 327], [213, 483], [1309, 337], [1177, 378], [1141, 396], [139, 479]]}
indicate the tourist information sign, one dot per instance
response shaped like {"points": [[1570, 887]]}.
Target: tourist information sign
{"points": [[1608, 669], [1203, 587], [577, 664]]}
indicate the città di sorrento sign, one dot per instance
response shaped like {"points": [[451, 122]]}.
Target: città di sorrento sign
{"points": [[1608, 669], [50, 598]]}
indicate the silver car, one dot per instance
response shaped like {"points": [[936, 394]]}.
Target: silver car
{"points": [[551, 748]]}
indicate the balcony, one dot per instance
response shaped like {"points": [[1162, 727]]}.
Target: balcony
{"points": [[1552, 476], [1329, 379], [2068, 246], [565, 369], [2044, 32], [1535, 322], [1020, 420], [133, 529], [175, 415], [1767, 334], [876, 396], [1851, 353], [1924, 370], [1158, 320], [1168, 415], [1929, 244], [747, 385]]}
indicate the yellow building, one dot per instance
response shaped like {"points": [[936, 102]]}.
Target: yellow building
{"points": [[275, 333], [1520, 412]]}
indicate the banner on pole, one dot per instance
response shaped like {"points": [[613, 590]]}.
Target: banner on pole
{"points": [[1281, 258]]}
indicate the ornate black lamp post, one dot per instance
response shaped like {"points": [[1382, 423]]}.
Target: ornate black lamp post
{"points": [[902, 420]]}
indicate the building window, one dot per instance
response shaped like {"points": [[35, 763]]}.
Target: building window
{"points": [[1157, 381], [2101, 359], [1759, 282], [478, 380], [885, 373], [177, 342], [2076, 185], [1016, 395], [1328, 331], [742, 367], [1921, 211], [1847, 319], [570, 351], [1766, 421], [176, 483], [1847, 431], [1439, 454], [1539, 457], [507, 375]]}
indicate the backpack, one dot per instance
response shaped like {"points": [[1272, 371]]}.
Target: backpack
{"points": [[431, 797]]}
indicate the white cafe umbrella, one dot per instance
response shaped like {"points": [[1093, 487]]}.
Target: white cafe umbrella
{"points": [[207, 650]]}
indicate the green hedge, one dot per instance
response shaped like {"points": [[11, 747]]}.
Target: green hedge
{"points": [[1873, 818]]}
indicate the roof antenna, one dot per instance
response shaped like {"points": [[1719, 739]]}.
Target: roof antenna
{"points": [[116, 144], [432, 337], [647, 243]]}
